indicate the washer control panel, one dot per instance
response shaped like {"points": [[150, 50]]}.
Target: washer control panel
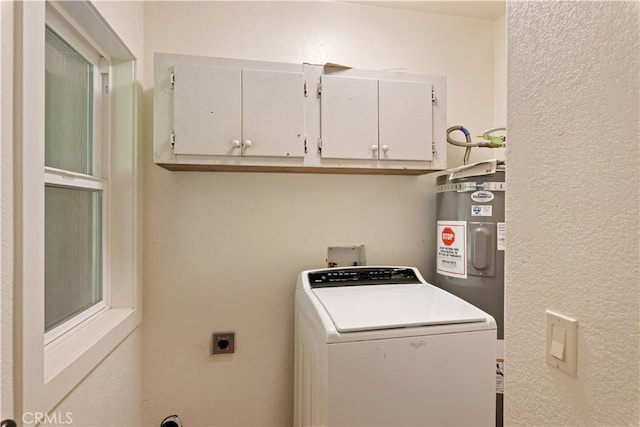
{"points": [[362, 276]]}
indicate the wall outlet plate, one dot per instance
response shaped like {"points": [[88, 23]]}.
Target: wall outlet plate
{"points": [[224, 343]]}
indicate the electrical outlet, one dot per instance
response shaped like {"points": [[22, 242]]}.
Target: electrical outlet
{"points": [[224, 342]]}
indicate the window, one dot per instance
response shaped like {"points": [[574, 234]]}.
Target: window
{"points": [[75, 100], [77, 203]]}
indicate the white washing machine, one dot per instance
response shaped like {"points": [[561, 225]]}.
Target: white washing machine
{"points": [[379, 346]]}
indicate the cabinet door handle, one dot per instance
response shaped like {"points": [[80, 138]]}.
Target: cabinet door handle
{"points": [[235, 143], [374, 148], [385, 148], [247, 143]]}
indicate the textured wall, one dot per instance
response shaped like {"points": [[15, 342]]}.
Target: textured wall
{"points": [[6, 210], [500, 74], [572, 209], [223, 250], [111, 394]]}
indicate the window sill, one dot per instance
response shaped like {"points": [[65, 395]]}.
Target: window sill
{"points": [[72, 357]]}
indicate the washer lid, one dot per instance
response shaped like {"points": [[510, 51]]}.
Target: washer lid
{"points": [[367, 308]]}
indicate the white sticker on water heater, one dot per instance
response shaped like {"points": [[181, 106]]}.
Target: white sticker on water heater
{"points": [[452, 246], [481, 210], [502, 236]]}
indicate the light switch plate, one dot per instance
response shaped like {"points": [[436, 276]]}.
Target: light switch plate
{"points": [[562, 343]]}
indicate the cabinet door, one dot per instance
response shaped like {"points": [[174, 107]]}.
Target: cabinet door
{"points": [[272, 113], [349, 117], [405, 115], [207, 112]]}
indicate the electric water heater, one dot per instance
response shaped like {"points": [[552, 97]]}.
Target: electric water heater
{"points": [[471, 240]]}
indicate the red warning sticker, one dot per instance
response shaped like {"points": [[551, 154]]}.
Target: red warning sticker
{"points": [[451, 249]]}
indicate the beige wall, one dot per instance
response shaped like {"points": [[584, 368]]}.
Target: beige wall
{"points": [[6, 211], [111, 394], [572, 210], [223, 250], [500, 74]]}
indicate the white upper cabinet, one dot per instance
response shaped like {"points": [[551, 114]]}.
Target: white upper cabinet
{"points": [[376, 119], [272, 113], [207, 110], [349, 117], [405, 120], [229, 114], [225, 111]]}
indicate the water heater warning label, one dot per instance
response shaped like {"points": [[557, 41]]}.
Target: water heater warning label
{"points": [[452, 246], [500, 376], [502, 236]]}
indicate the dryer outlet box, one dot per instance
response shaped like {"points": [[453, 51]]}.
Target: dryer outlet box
{"points": [[223, 342], [346, 256]]}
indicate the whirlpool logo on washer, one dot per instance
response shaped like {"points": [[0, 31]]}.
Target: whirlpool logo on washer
{"points": [[482, 196]]}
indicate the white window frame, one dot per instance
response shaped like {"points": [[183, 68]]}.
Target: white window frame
{"points": [[98, 179], [48, 372]]}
